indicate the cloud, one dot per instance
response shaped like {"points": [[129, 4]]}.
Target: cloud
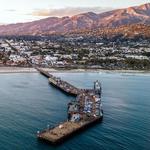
{"points": [[69, 11], [10, 10]]}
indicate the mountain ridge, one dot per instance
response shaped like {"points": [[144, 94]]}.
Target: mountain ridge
{"points": [[90, 20]]}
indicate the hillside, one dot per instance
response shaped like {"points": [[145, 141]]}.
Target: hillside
{"points": [[129, 31], [90, 21]]}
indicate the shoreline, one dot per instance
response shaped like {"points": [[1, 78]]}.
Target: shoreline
{"points": [[52, 70], [17, 70]]}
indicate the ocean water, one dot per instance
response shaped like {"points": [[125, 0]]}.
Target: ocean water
{"points": [[28, 103]]}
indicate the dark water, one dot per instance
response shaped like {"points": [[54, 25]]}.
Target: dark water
{"points": [[28, 104]]}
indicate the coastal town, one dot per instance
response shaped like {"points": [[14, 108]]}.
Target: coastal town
{"points": [[75, 52], [75, 75]]}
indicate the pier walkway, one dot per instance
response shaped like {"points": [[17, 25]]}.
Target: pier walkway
{"points": [[85, 110], [60, 84]]}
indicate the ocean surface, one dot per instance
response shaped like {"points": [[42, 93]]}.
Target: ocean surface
{"points": [[28, 104]]}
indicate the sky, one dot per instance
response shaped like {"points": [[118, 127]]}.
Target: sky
{"points": [[14, 11]]}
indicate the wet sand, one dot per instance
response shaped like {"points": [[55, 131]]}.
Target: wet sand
{"points": [[17, 70], [52, 70]]}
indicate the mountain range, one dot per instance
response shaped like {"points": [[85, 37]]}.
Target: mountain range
{"points": [[52, 25]]}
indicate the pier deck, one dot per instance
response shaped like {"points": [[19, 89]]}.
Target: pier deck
{"points": [[83, 112], [65, 130], [60, 84]]}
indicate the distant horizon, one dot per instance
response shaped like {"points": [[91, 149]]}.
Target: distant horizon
{"points": [[14, 12]]}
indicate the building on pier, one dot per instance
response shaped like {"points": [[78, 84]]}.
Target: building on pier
{"points": [[86, 105]]}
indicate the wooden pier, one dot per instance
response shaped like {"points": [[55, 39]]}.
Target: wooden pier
{"points": [[83, 112], [60, 84], [65, 130]]}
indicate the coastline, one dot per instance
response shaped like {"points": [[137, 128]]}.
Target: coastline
{"points": [[52, 70], [17, 70]]}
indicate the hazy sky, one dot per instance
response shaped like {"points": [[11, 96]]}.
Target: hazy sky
{"points": [[12, 11]]}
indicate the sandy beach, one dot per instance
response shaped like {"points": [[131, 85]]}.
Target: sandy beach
{"points": [[17, 70], [33, 70]]}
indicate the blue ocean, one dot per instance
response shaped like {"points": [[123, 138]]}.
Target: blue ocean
{"points": [[28, 104]]}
